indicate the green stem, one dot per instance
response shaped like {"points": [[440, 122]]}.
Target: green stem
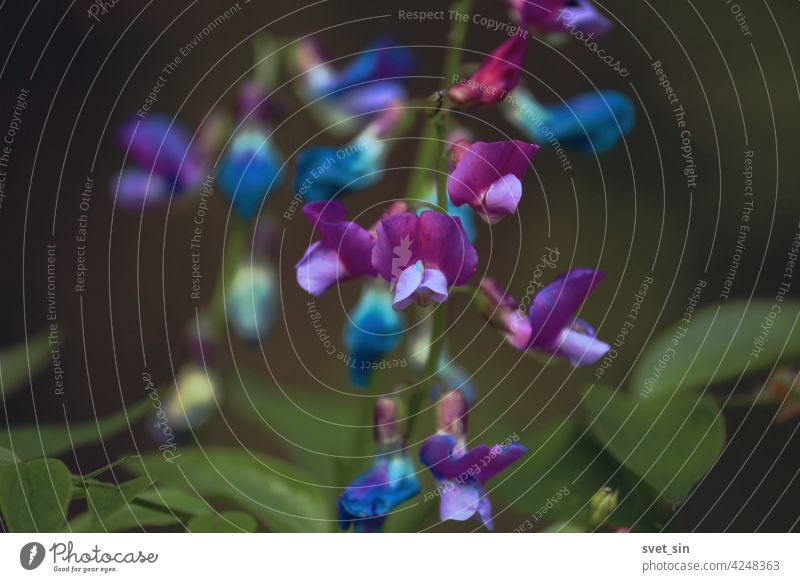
{"points": [[235, 246]]}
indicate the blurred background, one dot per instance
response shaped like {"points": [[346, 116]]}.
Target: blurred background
{"points": [[628, 213]]}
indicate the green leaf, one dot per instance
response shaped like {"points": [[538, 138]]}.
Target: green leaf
{"points": [[159, 507], [225, 522], [53, 439], [14, 364], [316, 430], [7, 458], [279, 495], [555, 480], [671, 445], [34, 495], [717, 346], [105, 499]]}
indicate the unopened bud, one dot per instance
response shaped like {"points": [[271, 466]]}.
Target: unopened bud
{"points": [[451, 413], [387, 421], [602, 505]]}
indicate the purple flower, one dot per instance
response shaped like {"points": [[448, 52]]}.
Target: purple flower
{"points": [[461, 475], [164, 161], [552, 327], [496, 77], [344, 253], [423, 256], [489, 176], [561, 16]]}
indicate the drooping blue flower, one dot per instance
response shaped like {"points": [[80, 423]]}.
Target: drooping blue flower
{"points": [[250, 170], [591, 122], [252, 300], [373, 330], [325, 172], [343, 101], [390, 480]]}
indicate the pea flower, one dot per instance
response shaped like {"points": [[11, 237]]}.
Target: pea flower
{"points": [[373, 330], [461, 474], [390, 480], [344, 253], [250, 169], [423, 256], [252, 293], [496, 77], [552, 327], [368, 84], [165, 161], [325, 172], [488, 177], [560, 16], [590, 122]]}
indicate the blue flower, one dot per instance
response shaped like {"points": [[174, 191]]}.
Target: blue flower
{"points": [[591, 122], [367, 85], [325, 172], [252, 300], [250, 170], [390, 481], [374, 330]]}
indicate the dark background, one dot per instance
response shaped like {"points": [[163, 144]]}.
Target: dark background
{"points": [[629, 213]]}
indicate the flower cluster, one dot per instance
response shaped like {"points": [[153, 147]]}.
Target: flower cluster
{"points": [[420, 251]]}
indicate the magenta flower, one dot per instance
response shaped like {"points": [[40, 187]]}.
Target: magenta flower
{"points": [[489, 176], [461, 475], [561, 16], [423, 256], [552, 327], [496, 77], [344, 253]]}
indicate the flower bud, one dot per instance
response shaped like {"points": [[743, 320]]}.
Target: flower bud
{"points": [[388, 421], [451, 414], [602, 505], [373, 331], [497, 76]]}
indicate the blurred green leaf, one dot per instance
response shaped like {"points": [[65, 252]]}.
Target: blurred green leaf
{"points": [[105, 499], [34, 495], [14, 364], [315, 430], [6, 458], [279, 495], [671, 445], [562, 458], [716, 346], [224, 522], [53, 439], [158, 507]]}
